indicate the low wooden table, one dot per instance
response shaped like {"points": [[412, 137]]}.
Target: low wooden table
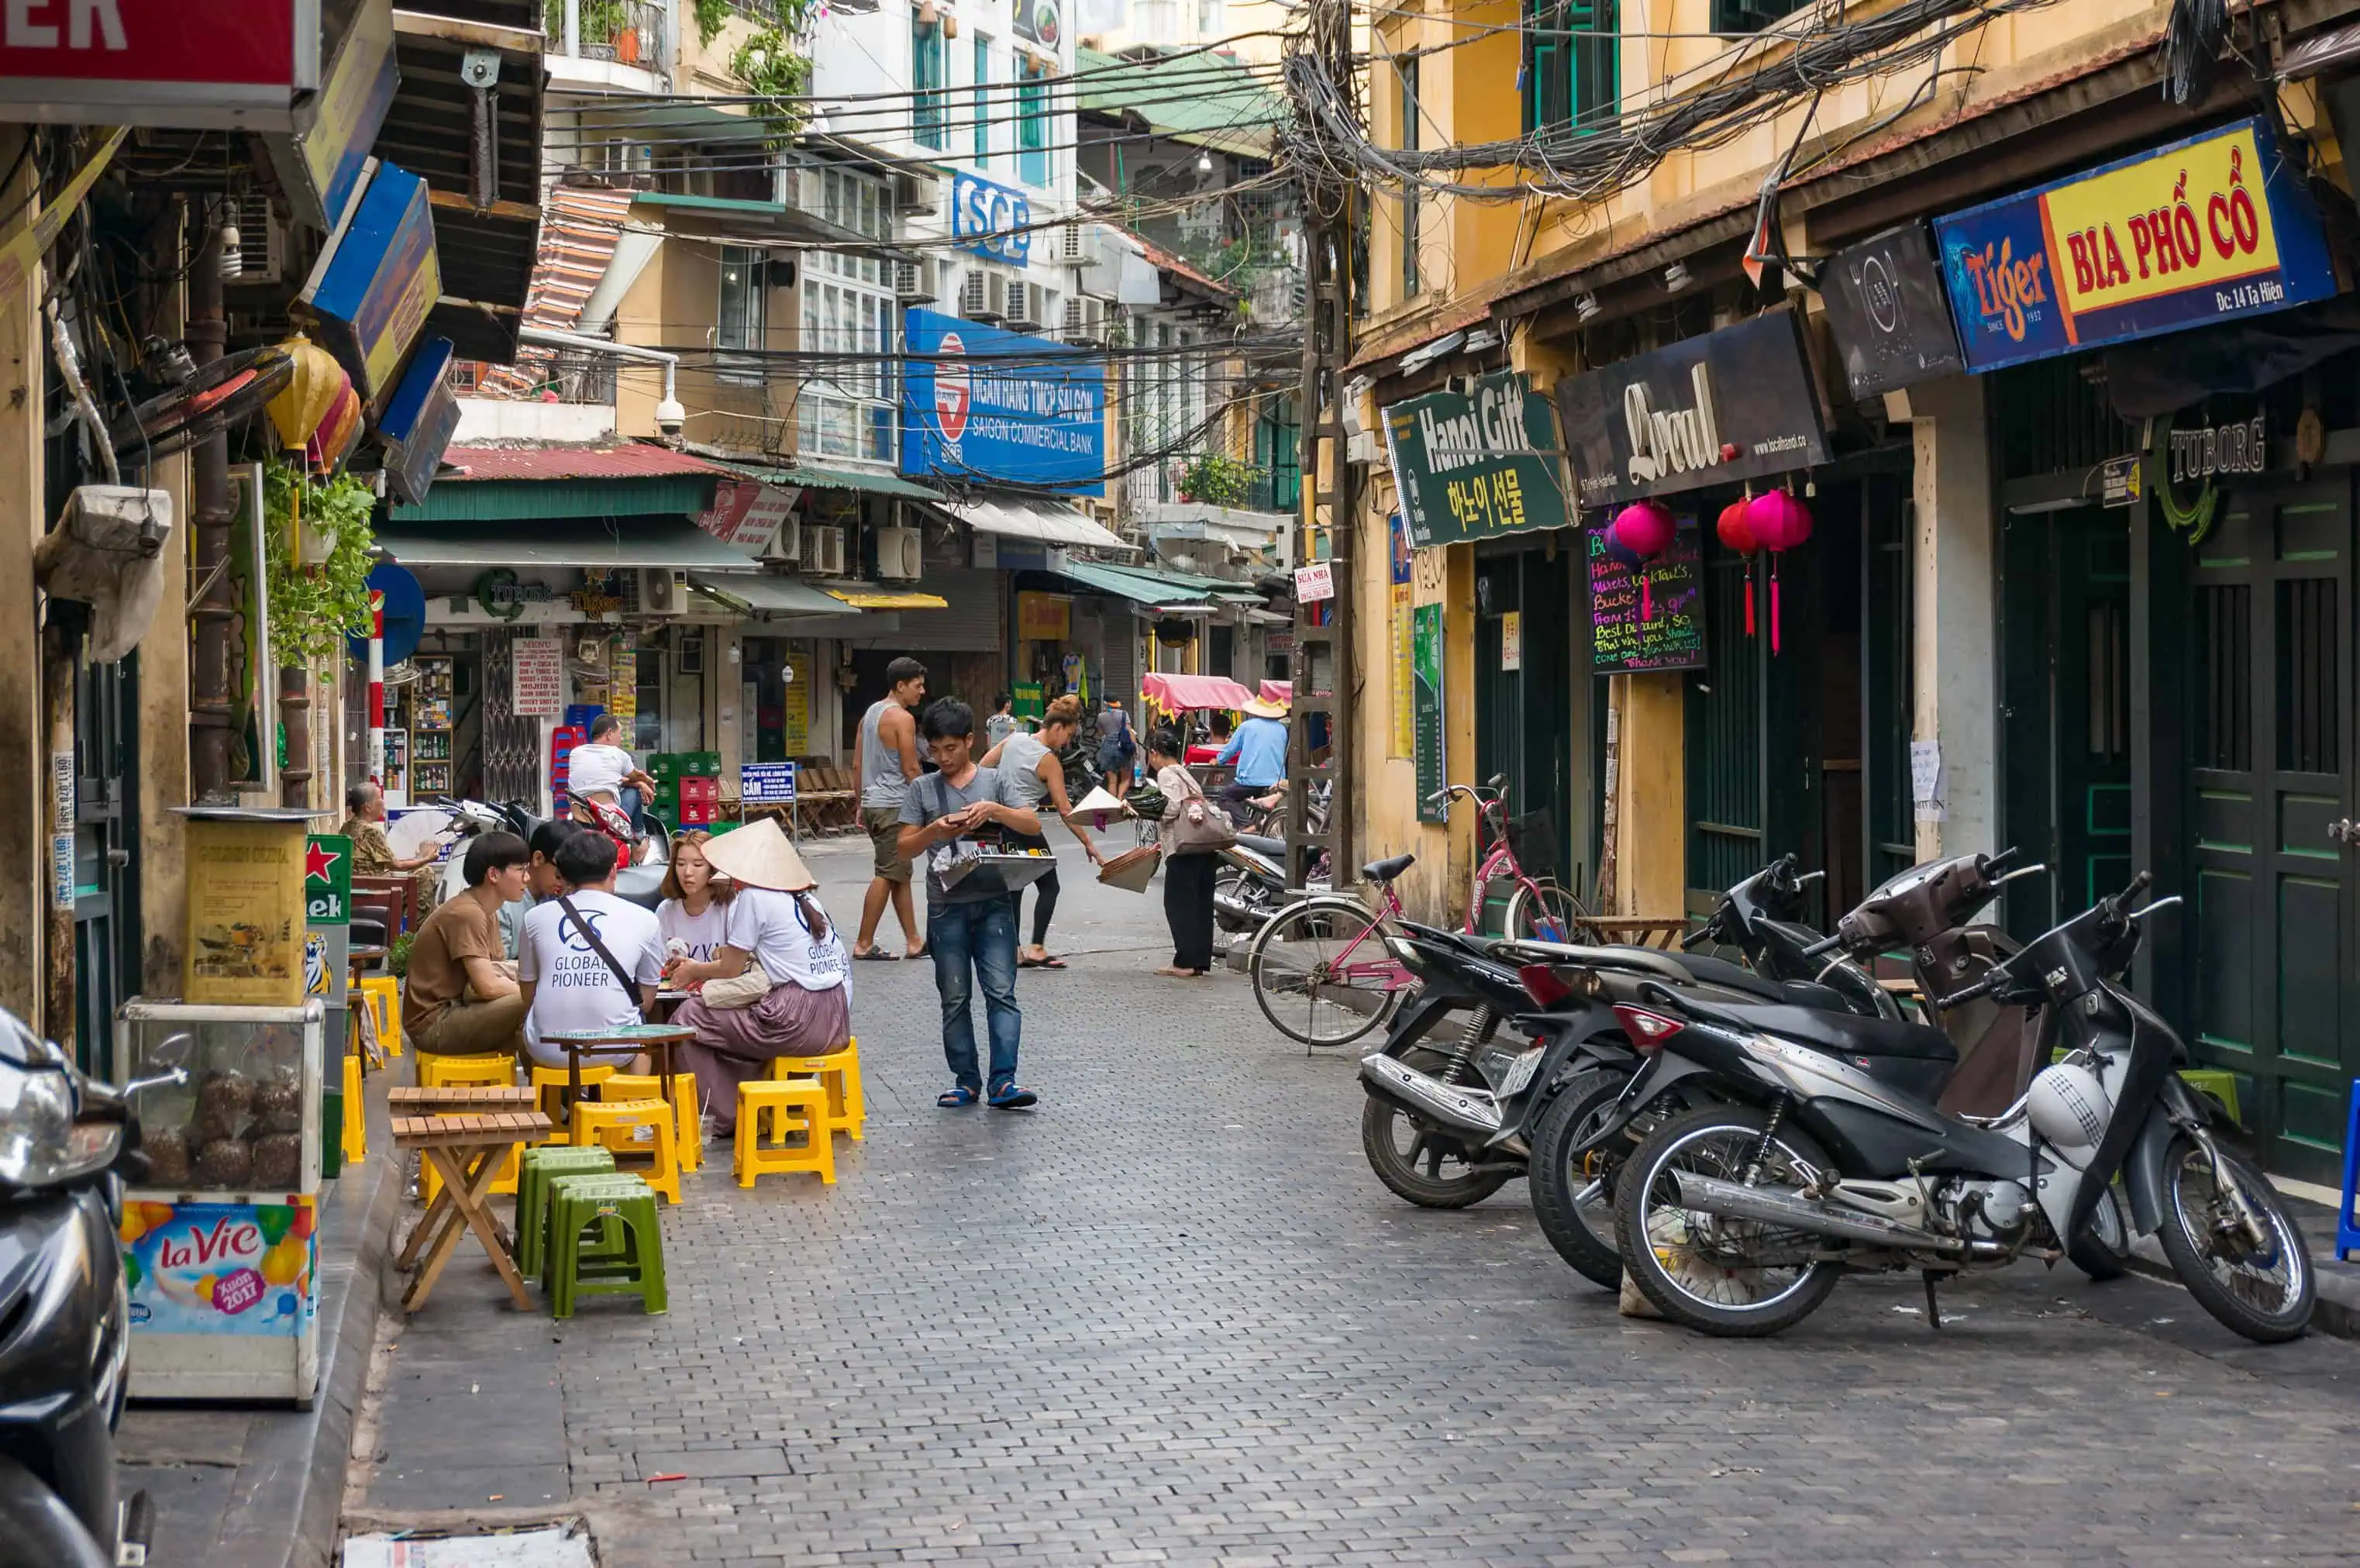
{"points": [[659, 1040], [465, 1134], [1643, 931]]}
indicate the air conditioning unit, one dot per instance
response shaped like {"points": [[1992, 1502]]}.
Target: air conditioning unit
{"points": [[1071, 249], [262, 244], [986, 298], [898, 553], [1085, 323], [662, 590], [823, 551], [917, 195], [914, 281], [1025, 302], [788, 545]]}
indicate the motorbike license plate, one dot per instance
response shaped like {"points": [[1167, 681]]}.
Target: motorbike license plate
{"points": [[1520, 1071]]}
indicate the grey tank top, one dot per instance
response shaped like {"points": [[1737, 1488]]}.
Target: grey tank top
{"points": [[880, 765], [1020, 758]]}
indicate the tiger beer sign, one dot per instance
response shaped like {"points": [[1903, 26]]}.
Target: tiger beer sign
{"points": [[2213, 228]]}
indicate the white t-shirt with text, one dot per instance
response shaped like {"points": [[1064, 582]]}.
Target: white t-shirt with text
{"points": [[702, 934], [597, 769], [772, 927], [574, 989]]}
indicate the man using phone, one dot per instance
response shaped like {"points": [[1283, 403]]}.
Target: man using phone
{"points": [[970, 931]]}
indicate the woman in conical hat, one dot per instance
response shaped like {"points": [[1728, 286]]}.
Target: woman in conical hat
{"points": [[779, 933]]}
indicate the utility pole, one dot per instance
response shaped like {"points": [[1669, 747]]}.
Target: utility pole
{"points": [[1325, 684]]}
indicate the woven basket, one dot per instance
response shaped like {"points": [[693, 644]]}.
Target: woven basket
{"points": [[1132, 870]]}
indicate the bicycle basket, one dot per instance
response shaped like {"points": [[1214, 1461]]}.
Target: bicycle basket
{"points": [[1532, 838]]}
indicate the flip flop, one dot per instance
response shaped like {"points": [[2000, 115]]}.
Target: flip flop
{"points": [[958, 1099], [1009, 1097], [877, 956], [1052, 961]]}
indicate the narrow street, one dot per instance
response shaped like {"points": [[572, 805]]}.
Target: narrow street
{"points": [[1169, 1317]]}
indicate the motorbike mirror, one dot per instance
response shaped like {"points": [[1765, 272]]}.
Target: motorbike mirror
{"points": [[175, 1077]]}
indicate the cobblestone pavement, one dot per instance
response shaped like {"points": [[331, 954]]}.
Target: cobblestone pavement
{"points": [[1171, 1317]]}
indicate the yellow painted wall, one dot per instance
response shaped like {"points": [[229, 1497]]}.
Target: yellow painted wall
{"points": [[676, 301]]}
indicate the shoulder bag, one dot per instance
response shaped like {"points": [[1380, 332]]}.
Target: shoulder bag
{"points": [[614, 965], [1199, 827]]}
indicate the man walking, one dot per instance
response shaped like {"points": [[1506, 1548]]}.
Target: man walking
{"points": [[888, 760], [1258, 749], [968, 927]]}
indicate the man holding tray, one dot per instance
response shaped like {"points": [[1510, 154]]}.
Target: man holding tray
{"points": [[970, 929]]}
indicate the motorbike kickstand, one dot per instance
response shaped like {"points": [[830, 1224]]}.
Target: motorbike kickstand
{"points": [[1933, 1307]]}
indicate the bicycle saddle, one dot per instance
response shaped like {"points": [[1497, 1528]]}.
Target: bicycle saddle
{"points": [[1385, 871]]}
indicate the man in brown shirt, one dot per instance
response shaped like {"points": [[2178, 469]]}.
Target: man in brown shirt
{"points": [[460, 997]]}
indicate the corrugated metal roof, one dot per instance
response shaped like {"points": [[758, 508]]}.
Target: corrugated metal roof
{"points": [[629, 460], [1210, 99], [612, 544], [805, 477]]}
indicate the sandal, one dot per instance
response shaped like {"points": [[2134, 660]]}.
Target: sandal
{"points": [[958, 1099], [1009, 1097], [877, 956], [1052, 961]]}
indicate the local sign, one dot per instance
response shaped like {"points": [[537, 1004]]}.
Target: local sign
{"points": [[327, 879], [1472, 466], [159, 63], [983, 404], [2213, 228]]}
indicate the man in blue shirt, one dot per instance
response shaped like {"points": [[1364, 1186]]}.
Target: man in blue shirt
{"points": [[1259, 750]]}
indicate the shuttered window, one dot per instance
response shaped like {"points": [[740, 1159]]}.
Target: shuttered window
{"points": [[1572, 77]]}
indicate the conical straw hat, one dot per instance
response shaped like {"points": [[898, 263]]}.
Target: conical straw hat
{"points": [[760, 856]]}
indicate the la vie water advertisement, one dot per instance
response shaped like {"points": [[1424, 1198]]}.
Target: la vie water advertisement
{"points": [[221, 1268], [985, 404]]}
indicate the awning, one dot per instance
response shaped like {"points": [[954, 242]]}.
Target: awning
{"points": [[1278, 691], [593, 546], [1024, 519], [805, 477], [1175, 693], [1143, 588], [769, 595], [871, 598]]}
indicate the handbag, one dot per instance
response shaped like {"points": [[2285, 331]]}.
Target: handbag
{"points": [[614, 965], [741, 990], [1200, 827]]}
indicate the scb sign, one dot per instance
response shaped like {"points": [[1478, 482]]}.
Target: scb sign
{"points": [[990, 220]]}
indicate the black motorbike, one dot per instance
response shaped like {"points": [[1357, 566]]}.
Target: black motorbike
{"points": [[67, 1143]]}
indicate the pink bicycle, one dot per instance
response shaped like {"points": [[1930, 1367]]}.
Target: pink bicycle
{"points": [[1321, 971]]}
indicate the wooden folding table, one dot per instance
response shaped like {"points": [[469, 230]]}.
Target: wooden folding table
{"points": [[464, 1134]]}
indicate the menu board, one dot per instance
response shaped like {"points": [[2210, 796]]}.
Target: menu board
{"points": [[1426, 662], [1661, 629]]}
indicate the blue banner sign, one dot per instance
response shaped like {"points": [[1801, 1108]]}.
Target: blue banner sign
{"points": [[982, 404], [2213, 228], [990, 220], [766, 783]]}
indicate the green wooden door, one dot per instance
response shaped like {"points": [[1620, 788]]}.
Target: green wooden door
{"points": [[2271, 923], [1523, 717], [1888, 656], [1724, 736]]}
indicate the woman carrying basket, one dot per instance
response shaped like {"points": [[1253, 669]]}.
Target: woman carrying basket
{"points": [[1030, 763]]}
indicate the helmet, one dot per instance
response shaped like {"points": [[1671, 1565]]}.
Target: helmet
{"points": [[2070, 1109]]}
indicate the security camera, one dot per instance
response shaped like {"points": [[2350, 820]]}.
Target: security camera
{"points": [[671, 417]]}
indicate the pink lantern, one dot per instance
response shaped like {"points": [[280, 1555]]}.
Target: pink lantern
{"points": [[1736, 533], [1780, 522], [1646, 529]]}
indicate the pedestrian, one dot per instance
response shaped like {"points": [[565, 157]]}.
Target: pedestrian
{"points": [[888, 760], [1118, 747], [1030, 763], [695, 907], [1187, 872], [373, 854], [1259, 751], [459, 998], [590, 960], [968, 928], [777, 931], [1003, 721]]}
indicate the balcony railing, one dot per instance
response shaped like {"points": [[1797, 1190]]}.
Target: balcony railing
{"points": [[626, 32]]}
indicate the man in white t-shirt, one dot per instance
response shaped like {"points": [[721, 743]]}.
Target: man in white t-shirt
{"points": [[600, 769], [566, 983]]}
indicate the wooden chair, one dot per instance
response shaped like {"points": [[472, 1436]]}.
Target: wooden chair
{"points": [[826, 796], [396, 894]]}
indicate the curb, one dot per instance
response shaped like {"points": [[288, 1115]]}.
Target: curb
{"points": [[2337, 1314]]}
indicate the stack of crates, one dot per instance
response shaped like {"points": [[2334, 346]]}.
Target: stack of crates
{"points": [[699, 801]]}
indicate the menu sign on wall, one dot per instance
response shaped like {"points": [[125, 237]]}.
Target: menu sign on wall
{"points": [[1425, 682], [1662, 629], [1888, 312], [1730, 405], [1474, 466]]}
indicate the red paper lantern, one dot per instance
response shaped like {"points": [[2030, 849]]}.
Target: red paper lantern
{"points": [[1780, 522], [1645, 529], [1737, 534]]}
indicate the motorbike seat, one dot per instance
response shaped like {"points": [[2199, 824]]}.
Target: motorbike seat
{"points": [[1729, 976], [1848, 1034], [1385, 871], [1276, 848]]}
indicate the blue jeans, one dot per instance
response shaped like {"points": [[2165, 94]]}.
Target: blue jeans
{"points": [[981, 936]]}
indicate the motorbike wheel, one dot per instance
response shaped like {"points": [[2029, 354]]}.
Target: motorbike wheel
{"points": [[1443, 1183], [1234, 888], [1582, 1233], [2264, 1293], [37, 1529], [2104, 1243], [1729, 1278]]}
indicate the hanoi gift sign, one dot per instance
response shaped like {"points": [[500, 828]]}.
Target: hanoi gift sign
{"points": [[1469, 466], [1729, 405], [2209, 229]]}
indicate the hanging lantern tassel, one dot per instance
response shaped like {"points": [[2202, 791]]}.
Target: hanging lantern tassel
{"points": [[1737, 534], [1773, 606], [1779, 522], [1749, 598]]}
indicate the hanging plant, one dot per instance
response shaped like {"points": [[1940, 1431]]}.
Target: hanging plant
{"points": [[313, 610], [777, 76], [1217, 481]]}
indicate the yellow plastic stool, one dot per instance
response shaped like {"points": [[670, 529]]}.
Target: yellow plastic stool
{"points": [[384, 993], [689, 1136], [794, 1105], [840, 1072], [615, 1124], [495, 1070], [546, 1083], [355, 1140]]}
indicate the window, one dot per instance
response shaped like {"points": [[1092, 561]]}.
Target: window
{"points": [[1033, 125], [742, 321], [845, 406], [1571, 73], [848, 200], [982, 102], [1405, 73], [926, 109], [1208, 18], [1159, 20], [1750, 16]]}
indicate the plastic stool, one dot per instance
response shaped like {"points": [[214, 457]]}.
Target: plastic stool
{"points": [[544, 1164], [792, 1106], [689, 1131], [355, 1139], [2347, 1234], [548, 1086], [615, 1124], [384, 993], [840, 1072], [607, 1246], [634, 1267], [2221, 1085], [492, 1069]]}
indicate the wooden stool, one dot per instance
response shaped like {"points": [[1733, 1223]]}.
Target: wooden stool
{"points": [[549, 1092], [492, 1071], [628, 1260], [542, 1164], [384, 993], [794, 1105], [689, 1137], [615, 1124], [840, 1072]]}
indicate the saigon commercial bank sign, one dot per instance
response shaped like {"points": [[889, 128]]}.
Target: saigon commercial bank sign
{"points": [[982, 404]]}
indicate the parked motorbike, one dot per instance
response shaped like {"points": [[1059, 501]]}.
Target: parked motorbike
{"points": [[1774, 1158], [1249, 884], [639, 881], [67, 1141]]}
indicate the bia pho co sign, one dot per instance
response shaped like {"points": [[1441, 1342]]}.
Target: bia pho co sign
{"points": [[1732, 405]]}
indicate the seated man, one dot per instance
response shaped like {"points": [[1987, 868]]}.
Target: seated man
{"points": [[373, 855], [590, 960], [459, 998], [540, 881]]}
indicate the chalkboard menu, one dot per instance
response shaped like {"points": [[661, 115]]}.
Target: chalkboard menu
{"points": [[1659, 629]]}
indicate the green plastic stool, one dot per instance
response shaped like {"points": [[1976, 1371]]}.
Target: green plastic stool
{"points": [[635, 1268], [606, 1247], [537, 1169], [2221, 1085]]}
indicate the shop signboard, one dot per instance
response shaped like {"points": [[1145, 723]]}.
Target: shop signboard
{"points": [[1425, 679], [766, 783], [1662, 628], [1043, 618], [378, 276], [746, 514], [2217, 227], [991, 221], [1712, 409], [245, 936], [159, 63], [327, 879], [1889, 313], [981, 404], [318, 167], [221, 1268], [1039, 22], [419, 420], [1472, 466], [1405, 739]]}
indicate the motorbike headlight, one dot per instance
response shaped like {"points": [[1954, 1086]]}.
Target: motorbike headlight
{"points": [[40, 1143]]}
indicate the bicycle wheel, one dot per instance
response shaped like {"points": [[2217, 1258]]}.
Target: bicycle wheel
{"points": [[230, 389], [1321, 973], [1548, 917]]}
